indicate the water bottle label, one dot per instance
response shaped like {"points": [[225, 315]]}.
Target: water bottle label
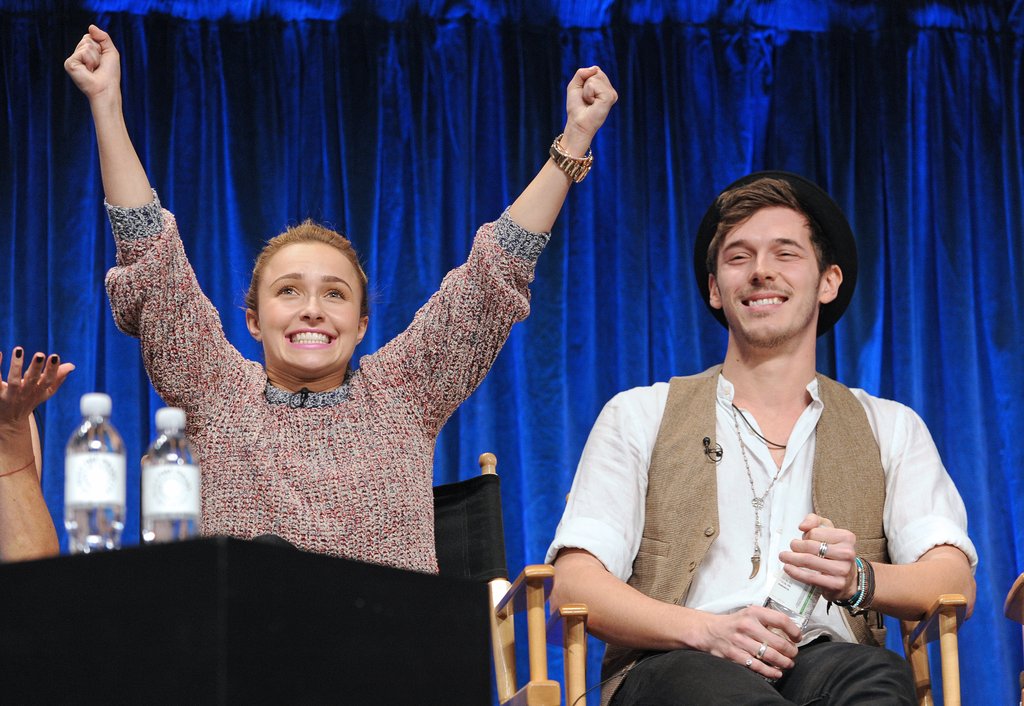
{"points": [[94, 479], [798, 597], [170, 489]]}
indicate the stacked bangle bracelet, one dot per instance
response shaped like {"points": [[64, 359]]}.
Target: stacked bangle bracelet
{"points": [[860, 601]]}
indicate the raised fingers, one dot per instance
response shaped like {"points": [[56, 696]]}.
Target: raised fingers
{"points": [[34, 382], [35, 369], [49, 373], [17, 362], [60, 372]]}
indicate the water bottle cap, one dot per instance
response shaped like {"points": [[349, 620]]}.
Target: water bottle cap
{"points": [[95, 404], [170, 419]]}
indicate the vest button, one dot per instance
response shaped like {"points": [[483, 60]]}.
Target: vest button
{"points": [[693, 565], [709, 531]]}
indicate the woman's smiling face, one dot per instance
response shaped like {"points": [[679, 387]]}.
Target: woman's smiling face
{"points": [[308, 316]]}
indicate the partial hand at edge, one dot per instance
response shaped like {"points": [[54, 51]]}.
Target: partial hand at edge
{"points": [[22, 392]]}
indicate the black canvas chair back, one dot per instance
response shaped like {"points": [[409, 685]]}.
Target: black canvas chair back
{"points": [[470, 539], [468, 530]]}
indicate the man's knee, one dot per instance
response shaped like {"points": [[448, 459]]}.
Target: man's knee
{"points": [[877, 662], [692, 677], [849, 673]]}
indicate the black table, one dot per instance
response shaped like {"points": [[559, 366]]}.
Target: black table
{"points": [[225, 621]]}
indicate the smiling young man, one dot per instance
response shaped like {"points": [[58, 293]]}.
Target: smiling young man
{"points": [[693, 496]]}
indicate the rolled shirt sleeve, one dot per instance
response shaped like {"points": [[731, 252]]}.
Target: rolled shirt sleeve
{"points": [[606, 507], [922, 506]]}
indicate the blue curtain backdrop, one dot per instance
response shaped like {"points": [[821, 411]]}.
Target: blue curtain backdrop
{"points": [[406, 124]]}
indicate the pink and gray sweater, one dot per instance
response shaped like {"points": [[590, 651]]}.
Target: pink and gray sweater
{"points": [[350, 473]]}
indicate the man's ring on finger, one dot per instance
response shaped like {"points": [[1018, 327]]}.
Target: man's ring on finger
{"points": [[761, 650], [750, 661], [822, 550]]}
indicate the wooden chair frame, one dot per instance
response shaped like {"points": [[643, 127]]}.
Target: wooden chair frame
{"points": [[529, 593], [941, 622]]}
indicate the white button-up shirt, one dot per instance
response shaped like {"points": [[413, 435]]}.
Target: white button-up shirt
{"points": [[605, 511]]}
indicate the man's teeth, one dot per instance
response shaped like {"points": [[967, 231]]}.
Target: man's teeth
{"points": [[766, 302], [308, 337]]}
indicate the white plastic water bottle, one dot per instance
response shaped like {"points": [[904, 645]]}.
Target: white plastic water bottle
{"points": [[170, 482], [94, 480], [793, 598]]}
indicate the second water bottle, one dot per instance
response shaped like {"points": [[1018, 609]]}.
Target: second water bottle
{"points": [[170, 482]]}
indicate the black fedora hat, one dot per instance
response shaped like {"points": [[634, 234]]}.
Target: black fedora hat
{"points": [[830, 221]]}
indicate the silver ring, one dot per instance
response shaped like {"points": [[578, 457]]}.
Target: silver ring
{"points": [[749, 662], [822, 550], [761, 650]]}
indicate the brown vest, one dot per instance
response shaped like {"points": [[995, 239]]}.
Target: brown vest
{"points": [[681, 519]]}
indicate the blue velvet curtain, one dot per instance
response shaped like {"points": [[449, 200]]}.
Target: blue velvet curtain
{"points": [[406, 124]]}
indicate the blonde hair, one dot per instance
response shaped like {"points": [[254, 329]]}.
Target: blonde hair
{"points": [[307, 232]]}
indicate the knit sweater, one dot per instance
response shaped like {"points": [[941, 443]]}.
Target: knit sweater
{"points": [[349, 473]]}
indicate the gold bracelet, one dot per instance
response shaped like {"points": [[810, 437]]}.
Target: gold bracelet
{"points": [[576, 168]]}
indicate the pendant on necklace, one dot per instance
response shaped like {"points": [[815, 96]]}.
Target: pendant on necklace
{"points": [[755, 565]]}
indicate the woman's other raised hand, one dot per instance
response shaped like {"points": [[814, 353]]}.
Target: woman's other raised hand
{"points": [[588, 98], [95, 65]]}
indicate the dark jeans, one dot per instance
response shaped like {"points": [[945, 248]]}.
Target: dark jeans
{"points": [[826, 674]]}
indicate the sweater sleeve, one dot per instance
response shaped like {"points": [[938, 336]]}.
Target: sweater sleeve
{"points": [[155, 297], [453, 340]]}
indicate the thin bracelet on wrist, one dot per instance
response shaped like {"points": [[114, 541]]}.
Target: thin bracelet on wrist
{"points": [[18, 470]]}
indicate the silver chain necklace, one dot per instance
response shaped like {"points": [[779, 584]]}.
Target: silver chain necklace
{"points": [[757, 502]]}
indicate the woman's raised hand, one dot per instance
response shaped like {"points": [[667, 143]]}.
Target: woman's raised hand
{"points": [[95, 65], [24, 390], [588, 98]]}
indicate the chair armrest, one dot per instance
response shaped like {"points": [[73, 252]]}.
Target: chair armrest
{"points": [[939, 617], [560, 620], [532, 578], [568, 627], [530, 592]]}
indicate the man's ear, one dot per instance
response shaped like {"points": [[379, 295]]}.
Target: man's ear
{"points": [[714, 296], [252, 322], [828, 286]]}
